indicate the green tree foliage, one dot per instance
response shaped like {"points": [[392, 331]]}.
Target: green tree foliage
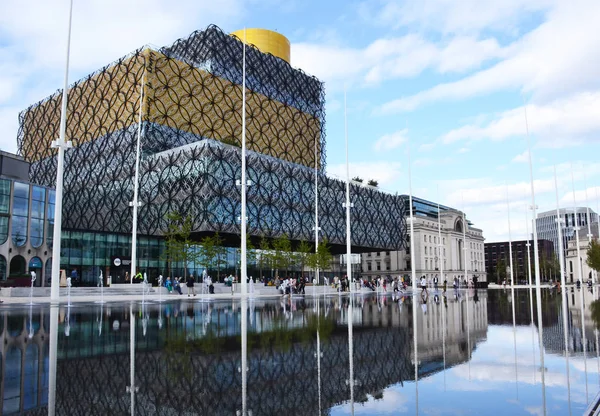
{"points": [[212, 252], [501, 270], [281, 256], [265, 255], [593, 255], [322, 258], [357, 179], [303, 252], [373, 182], [178, 245], [250, 253]]}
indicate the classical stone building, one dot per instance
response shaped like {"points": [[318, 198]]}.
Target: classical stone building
{"points": [[431, 254]]}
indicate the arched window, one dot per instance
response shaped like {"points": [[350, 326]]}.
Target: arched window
{"points": [[38, 200], [458, 226], [48, 271], [50, 218], [17, 266], [20, 214]]}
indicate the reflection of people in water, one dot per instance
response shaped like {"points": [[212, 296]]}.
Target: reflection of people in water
{"points": [[475, 297], [424, 304], [446, 301], [436, 299]]}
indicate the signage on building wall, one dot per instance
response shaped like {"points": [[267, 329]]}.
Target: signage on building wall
{"points": [[121, 261]]}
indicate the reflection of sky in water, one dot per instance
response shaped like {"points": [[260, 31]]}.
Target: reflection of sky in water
{"points": [[490, 368], [491, 383]]}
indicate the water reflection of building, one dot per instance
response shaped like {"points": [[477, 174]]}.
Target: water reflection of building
{"points": [[554, 338], [187, 357]]}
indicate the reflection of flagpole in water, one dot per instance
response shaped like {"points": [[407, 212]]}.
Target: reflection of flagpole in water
{"points": [[589, 224], [512, 290], [244, 361], [467, 292], [52, 359], [132, 389], [319, 352], [351, 356], [416, 359], [528, 245], [565, 311], [580, 278], [536, 259], [444, 339], [597, 355]]}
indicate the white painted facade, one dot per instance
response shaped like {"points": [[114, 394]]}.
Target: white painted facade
{"points": [[430, 255]]}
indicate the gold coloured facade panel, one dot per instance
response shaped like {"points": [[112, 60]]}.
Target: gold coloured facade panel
{"points": [[102, 103], [266, 41], [193, 100], [177, 95]]}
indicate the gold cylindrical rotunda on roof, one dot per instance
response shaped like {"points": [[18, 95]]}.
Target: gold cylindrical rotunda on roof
{"points": [[267, 41]]}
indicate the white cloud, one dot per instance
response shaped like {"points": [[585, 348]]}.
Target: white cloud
{"points": [[386, 173], [390, 58], [426, 147], [449, 16], [563, 122], [521, 157], [391, 141], [33, 42], [558, 57], [463, 150]]}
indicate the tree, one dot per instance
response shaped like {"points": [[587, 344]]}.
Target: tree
{"points": [[322, 258], [264, 256], [593, 255], [501, 270], [302, 254], [373, 182], [357, 179], [178, 245], [282, 249], [212, 252]]}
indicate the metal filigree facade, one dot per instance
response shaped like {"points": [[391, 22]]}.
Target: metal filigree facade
{"points": [[190, 138]]}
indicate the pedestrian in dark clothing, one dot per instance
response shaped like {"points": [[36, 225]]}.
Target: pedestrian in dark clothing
{"points": [[190, 285]]}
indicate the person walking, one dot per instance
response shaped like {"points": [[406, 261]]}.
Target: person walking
{"points": [[424, 286], [190, 285]]}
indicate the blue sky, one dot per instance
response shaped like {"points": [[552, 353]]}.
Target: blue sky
{"points": [[447, 76]]}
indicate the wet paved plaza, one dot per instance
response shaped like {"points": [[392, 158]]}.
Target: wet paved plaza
{"points": [[466, 353]]}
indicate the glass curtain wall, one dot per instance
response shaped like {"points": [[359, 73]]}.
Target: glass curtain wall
{"points": [[4, 209], [38, 202], [20, 213], [50, 218]]}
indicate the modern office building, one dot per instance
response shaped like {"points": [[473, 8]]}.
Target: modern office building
{"points": [[430, 252], [499, 252], [188, 97], [547, 227], [26, 222]]}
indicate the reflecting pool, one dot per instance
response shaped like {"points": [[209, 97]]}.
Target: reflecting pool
{"points": [[471, 352]]}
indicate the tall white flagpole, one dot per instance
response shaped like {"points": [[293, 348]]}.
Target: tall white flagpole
{"points": [[413, 269], [316, 210], [576, 228], [136, 184], [243, 237], [61, 145], [348, 244], [589, 223], [536, 260], [440, 245], [512, 275]]}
